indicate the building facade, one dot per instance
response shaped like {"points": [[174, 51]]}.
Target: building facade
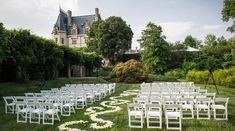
{"points": [[71, 30]]}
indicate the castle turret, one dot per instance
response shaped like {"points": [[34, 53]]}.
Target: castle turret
{"points": [[97, 14], [69, 17]]}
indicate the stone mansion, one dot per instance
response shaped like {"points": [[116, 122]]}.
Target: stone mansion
{"points": [[71, 30]]}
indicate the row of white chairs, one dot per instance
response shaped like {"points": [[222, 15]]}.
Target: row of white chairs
{"points": [[153, 114], [188, 99], [62, 100]]}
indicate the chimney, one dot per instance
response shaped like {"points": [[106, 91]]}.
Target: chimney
{"points": [[97, 14], [69, 17]]}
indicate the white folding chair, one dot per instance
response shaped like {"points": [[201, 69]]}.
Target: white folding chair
{"points": [[173, 116], [22, 111], [112, 88], [29, 94], [210, 95], [90, 98], [57, 103], [9, 104], [202, 91], [80, 100], [35, 112], [187, 105], [220, 105], [169, 101], [67, 107], [203, 108], [50, 113], [135, 115], [141, 100], [20, 99], [98, 95], [154, 116]]}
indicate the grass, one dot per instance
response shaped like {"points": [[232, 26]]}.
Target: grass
{"points": [[120, 119]]}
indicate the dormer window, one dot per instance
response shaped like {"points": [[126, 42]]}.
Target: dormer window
{"points": [[74, 30]]}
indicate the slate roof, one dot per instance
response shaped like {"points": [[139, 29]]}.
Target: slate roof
{"points": [[79, 21]]}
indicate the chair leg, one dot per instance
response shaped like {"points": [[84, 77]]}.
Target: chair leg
{"points": [[226, 114], [129, 121], [5, 108], [142, 121], [160, 122], [215, 114], [209, 114]]}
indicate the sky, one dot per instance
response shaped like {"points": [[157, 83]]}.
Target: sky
{"points": [[178, 18]]}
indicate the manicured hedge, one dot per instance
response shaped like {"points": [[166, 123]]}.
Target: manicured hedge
{"points": [[224, 77]]}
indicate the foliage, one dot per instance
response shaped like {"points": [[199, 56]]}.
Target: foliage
{"points": [[28, 57], [189, 66], [228, 13], [156, 77], [224, 77], [210, 40], [155, 56], [110, 38], [131, 71], [191, 42], [197, 76], [105, 71], [177, 73], [126, 57], [3, 41]]}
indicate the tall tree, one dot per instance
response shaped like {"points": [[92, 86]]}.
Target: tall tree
{"points": [[3, 42], [111, 38], [210, 40], [221, 40], [228, 13], [192, 42], [156, 50], [93, 36]]}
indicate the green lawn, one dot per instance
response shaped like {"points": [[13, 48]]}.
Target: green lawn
{"points": [[120, 119]]}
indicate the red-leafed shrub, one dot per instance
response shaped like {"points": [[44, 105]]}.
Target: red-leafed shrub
{"points": [[131, 71]]}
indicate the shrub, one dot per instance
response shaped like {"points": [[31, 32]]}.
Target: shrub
{"points": [[197, 76], [189, 66], [154, 77], [177, 73], [224, 77], [131, 71]]}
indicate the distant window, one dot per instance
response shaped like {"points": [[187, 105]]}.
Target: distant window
{"points": [[62, 40], [56, 40], [74, 42]]}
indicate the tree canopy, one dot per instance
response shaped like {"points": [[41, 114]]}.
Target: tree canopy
{"points": [[155, 56], [3, 40], [210, 40], [110, 38], [25, 56], [192, 42], [228, 13]]}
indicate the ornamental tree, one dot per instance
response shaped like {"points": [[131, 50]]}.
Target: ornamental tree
{"points": [[110, 38], [156, 52]]}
